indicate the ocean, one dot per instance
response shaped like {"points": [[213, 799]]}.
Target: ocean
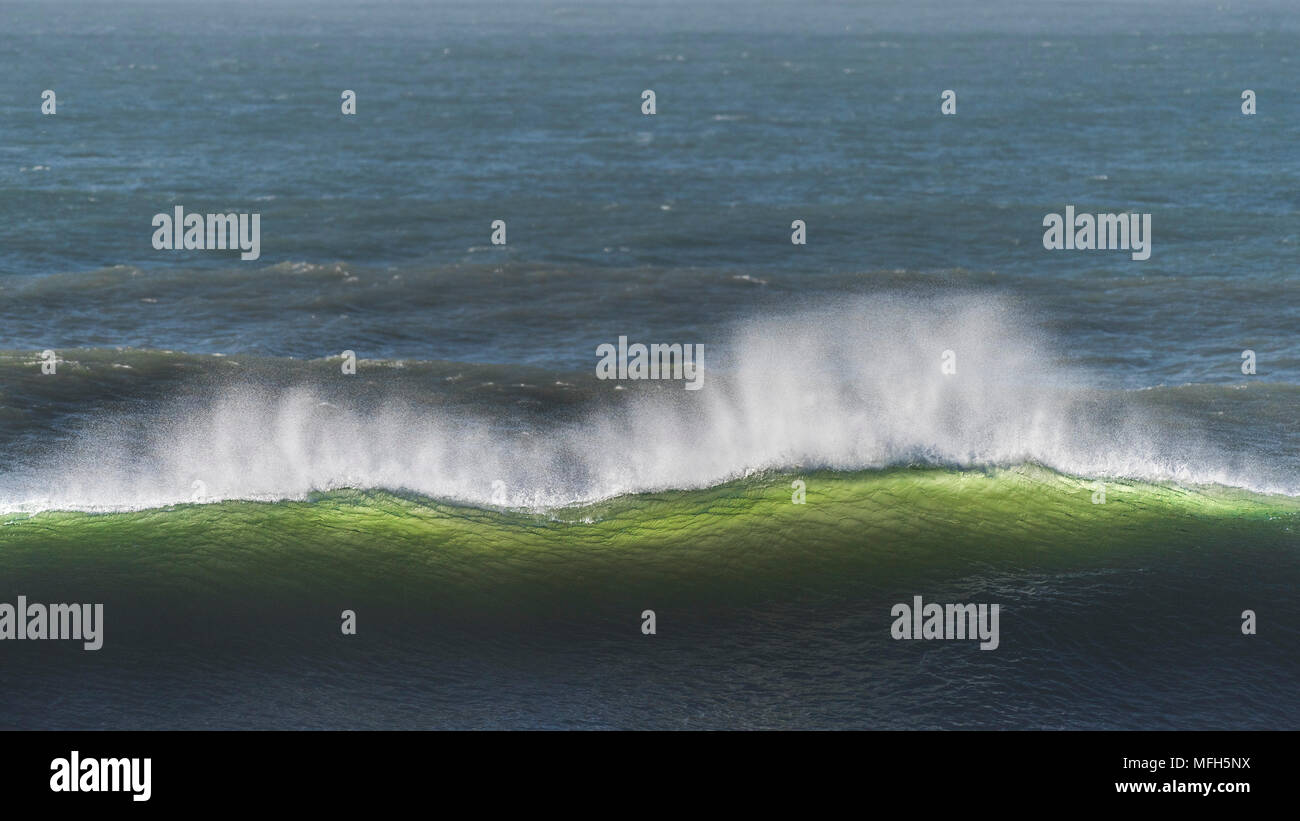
{"points": [[389, 415]]}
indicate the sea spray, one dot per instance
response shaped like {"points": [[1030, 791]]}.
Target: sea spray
{"points": [[857, 385]]}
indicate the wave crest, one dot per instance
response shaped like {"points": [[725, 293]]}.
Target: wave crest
{"points": [[854, 386]]}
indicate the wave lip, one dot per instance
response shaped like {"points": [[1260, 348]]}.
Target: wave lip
{"points": [[858, 386]]}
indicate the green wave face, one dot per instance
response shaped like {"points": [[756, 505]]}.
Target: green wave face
{"points": [[769, 613], [873, 527]]}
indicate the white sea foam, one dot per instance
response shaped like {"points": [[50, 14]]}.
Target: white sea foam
{"points": [[852, 386]]}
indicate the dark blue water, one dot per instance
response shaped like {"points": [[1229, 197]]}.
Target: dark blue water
{"points": [[533, 116]]}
